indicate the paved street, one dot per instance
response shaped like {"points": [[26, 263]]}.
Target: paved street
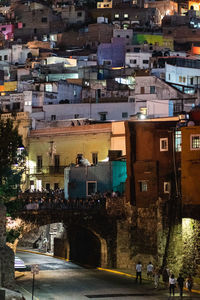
{"points": [[60, 280]]}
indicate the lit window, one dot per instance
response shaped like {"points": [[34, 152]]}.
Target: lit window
{"points": [[195, 142], [125, 16], [91, 187], [184, 79], [178, 141], [48, 87], [164, 144], [180, 78], [166, 187], [116, 16], [143, 186], [143, 110]]}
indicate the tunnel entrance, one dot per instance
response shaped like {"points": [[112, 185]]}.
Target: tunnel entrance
{"points": [[85, 247]]}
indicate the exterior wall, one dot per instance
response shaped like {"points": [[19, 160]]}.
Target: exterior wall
{"points": [[67, 143], [173, 74], [126, 34], [147, 163], [118, 137], [139, 57], [90, 111], [190, 168], [114, 53], [118, 176]]}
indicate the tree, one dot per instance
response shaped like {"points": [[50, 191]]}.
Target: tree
{"points": [[11, 162]]}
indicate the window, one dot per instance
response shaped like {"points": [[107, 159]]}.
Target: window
{"points": [[48, 87], [166, 187], [145, 61], [131, 99], [39, 163], [125, 16], [143, 186], [44, 20], [103, 116], [133, 61], [143, 110], [3, 28], [164, 144], [142, 90], [152, 89], [180, 79], [0, 58], [191, 80], [184, 79], [57, 162], [79, 14], [195, 142], [178, 141], [48, 186], [169, 77], [76, 116], [5, 57], [91, 187], [116, 16], [124, 115], [127, 36], [53, 117], [107, 62], [56, 186], [94, 158]]}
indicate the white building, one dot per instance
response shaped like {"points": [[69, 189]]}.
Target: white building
{"points": [[139, 60], [126, 34], [17, 54]]}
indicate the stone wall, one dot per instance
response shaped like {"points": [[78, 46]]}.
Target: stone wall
{"points": [[6, 254]]}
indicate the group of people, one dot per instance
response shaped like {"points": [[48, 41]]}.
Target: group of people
{"points": [[154, 273]]}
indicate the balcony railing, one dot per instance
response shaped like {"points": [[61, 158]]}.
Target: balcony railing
{"points": [[46, 170]]}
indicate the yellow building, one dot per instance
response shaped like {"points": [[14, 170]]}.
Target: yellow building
{"points": [[50, 150], [104, 4]]}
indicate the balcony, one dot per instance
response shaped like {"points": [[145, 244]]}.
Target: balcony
{"points": [[46, 170]]}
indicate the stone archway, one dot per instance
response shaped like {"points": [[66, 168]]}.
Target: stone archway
{"points": [[87, 247]]}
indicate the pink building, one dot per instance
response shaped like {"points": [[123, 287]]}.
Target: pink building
{"points": [[7, 30]]}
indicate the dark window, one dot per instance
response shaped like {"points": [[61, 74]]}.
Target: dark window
{"points": [[79, 14], [47, 186], [127, 36], [133, 61], [56, 186], [35, 30], [5, 57], [124, 115], [57, 160], [142, 90], [103, 116], [76, 116], [94, 158], [16, 105], [91, 187], [39, 163], [53, 117], [152, 89], [145, 61], [44, 20], [3, 28]]}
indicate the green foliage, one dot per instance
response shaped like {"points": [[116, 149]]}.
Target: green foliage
{"points": [[11, 163]]}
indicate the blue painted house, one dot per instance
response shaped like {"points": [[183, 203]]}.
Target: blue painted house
{"points": [[83, 181], [112, 54]]}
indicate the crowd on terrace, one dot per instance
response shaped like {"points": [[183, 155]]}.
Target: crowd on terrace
{"points": [[54, 199]]}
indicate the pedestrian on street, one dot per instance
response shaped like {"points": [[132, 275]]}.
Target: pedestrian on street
{"points": [[180, 281], [172, 284], [156, 277], [139, 272], [189, 283], [149, 270]]}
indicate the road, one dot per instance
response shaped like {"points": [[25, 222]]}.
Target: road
{"points": [[61, 280]]}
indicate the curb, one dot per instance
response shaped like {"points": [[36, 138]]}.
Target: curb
{"points": [[40, 253]]}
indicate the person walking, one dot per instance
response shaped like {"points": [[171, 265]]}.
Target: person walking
{"points": [[156, 277], [149, 270], [172, 284], [189, 283], [180, 281], [139, 272]]}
